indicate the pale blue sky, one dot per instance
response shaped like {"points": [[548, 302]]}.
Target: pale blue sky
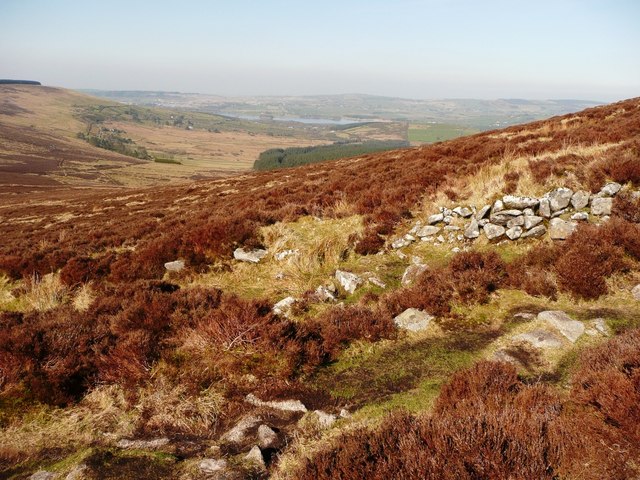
{"points": [[588, 49]]}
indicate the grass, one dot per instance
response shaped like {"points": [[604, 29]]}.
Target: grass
{"points": [[170, 161], [437, 132]]}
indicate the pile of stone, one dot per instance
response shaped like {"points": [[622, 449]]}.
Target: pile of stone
{"points": [[513, 217]]}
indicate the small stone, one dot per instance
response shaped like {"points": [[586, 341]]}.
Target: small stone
{"points": [[344, 413], [559, 213], [535, 232], [540, 339], [251, 256], [531, 221], [524, 316], [433, 219], [413, 320], [213, 465], [284, 405], [324, 294], [561, 230], [451, 228], [267, 437], [570, 328], [409, 238], [255, 456], [464, 212], [283, 306], [448, 219], [174, 266], [238, 433], [580, 216], [456, 250], [559, 198], [635, 291], [427, 231], [284, 254], [601, 206], [325, 420], [528, 212], [349, 281], [513, 201], [440, 238], [610, 189], [493, 231], [77, 473], [411, 273], [601, 326], [498, 206], [43, 475], [400, 243], [483, 212], [514, 233], [516, 222], [503, 217], [580, 199], [142, 444], [544, 208], [377, 282], [483, 222]]}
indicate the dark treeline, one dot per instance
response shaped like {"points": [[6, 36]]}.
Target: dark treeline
{"points": [[6, 81], [294, 156]]}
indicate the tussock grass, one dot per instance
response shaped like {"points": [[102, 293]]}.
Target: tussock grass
{"points": [[45, 293], [83, 297]]}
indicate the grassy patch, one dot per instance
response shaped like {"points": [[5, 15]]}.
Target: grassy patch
{"points": [[170, 161], [437, 132]]}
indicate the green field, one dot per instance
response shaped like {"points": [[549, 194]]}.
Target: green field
{"points": [[437, 132]]}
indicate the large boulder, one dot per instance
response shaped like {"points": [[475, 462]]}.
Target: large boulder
{"points": [[610, 189], [519, 203], [493, 231], [413, 320], [560, 229], [559, 198], [601, 206], [251, 256], [580, 199], [349, 281], [473, 230], [567, 326], [540, 339]]}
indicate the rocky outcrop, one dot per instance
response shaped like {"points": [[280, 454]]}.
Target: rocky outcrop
{"points": [[349, 281], [540, 339], [567, 326]]}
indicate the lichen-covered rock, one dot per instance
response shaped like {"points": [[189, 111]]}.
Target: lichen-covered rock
{"points": [[283, 306], [411, 273], [580, 216], [175, 266], [349, 281], [493, 231], [580, 199], [544, 209], [326, 294], [535, 232], [498, 206], [567, 326], [483, 212], [325, 420], [540, 339], [284, 405], [42, 475], [255, 457], [560, 229], [516, 222], [531, 221], [153, 444], [473, 230], [427, 231], [413, 320], [635, 291], [464, 212], [436, 218], [601, 206], [514, 233], [610, 189], [268, 438], [559, 198], [238, 433], [519, 203], [251, 256], [285, 253]]}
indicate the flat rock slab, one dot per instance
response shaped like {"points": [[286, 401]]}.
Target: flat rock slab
{"points": [[251, 256], [540, 339], [284, 405], [567, 326], [413, 320]]}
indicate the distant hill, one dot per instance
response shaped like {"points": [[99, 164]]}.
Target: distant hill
{"points": [[4, 81]]}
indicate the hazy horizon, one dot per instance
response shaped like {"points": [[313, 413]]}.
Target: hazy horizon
{"points": [[409, 49]]}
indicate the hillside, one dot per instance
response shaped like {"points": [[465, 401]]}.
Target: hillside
{"points": [[468, 309]]}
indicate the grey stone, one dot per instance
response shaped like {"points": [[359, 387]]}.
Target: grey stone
{"points": [[513, 201], [498, 206], [377, 282], [413, 320], [447, 212], [483, 212], [580, 199], [285, 253], [472, 230], [344, 413], [580, 216], [238, 433], [154, 444], [504, 216], [535, 232], [531, 221], [524, 316], [251, 256], [544, 208], [255, 456], [174, 266], [610, 189], [284, 405], [349, 281], [514, 233], [440, 239], [559, 213], [42, 475], [493, 231], [325, 294], [561, 230], [483, 222], [213, 465], [504, 356], [516, 222], [409, 237], [567, 326], [456, 250], [433, 219], [267, 437], [451, 228], [528, 212], [540, 339], [325, 420], [427, 231], [601, 326], [283, 306], [559, 198], [400, 243], [635, 291], [411, 273], [464, 212], [601, 206], [447, 219]]}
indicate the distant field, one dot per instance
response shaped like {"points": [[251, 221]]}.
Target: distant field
{"points": [[437, 132]]}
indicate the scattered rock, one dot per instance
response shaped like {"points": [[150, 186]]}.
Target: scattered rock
{"points": [[267, 437], [524, 316], [514, 233], [451, 228], [239, 432], [516, 222], [400, 243], [349, 281], [440, 238], [570, 328], [174, 266], [501, 218], [213, 465], [142, 444], [559, 198], [580, 199], [540, 339], [513, 201], [544, 208], [601, 326], [326, 294], [427, 231], [43, 475], [448, 219], [528, 212], [284, 405], [535, 232], [413, 320], [411, 273], [483, 212], [610, 189], [464, 212], [483, 222], [433, 219], [531, 221], [580, 216], [635, 291], [601, 206], [284, 254], [377, 282], [325, 420], [498, 206], [255, 456], [560, 229], [77, 473], [493, 231], [344, 413], [251, 256], [283, 306], [409, 238]]}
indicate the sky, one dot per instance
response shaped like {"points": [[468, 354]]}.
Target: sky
{"points": [[540, 49]]}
